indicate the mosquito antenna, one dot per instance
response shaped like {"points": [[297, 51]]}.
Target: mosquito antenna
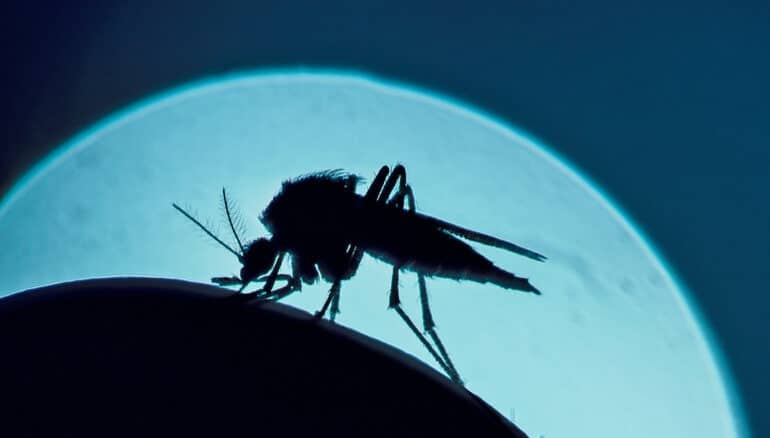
{"points": [[205, 230], [240, 224], [230, 220]]}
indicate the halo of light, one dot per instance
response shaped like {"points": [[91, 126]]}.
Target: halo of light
{"points": [[713, 361]]}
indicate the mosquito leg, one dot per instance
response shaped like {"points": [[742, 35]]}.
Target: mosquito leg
{"points": [[397, 175], [354, 254], [267, 289], [393, 298], [373, 193], [270, 281], [335, 290], [427, 315], [394, 303], [404, 192], [292, 286], [429, 326], [282, 292], [334, 310], [226, 281], [379, 191]]}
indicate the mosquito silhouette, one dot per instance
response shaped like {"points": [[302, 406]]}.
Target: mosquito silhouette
{"points": [[325, 226]]}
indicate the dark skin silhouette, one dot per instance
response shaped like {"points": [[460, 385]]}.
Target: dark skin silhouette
{"points": [[150, 357], [326, 227]]}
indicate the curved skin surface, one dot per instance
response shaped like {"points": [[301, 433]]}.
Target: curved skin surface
{"points": [[155, 357]]}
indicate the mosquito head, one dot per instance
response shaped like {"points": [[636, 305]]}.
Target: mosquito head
{"points": [[258, 257]]}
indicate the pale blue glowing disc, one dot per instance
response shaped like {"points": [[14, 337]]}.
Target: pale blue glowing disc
{"points": [[610, 349]]}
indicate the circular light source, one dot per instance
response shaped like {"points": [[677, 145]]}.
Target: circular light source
{"points": [[610, 349]]}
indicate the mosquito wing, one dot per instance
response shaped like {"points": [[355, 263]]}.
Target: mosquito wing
{"points": [[481, 237]]}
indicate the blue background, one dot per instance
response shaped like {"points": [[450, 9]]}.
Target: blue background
{"points": [[665, 104]]}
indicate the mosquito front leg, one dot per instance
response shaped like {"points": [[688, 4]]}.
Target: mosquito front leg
{"points": [[266, 292], [270, 280], [291, 286], [226, 281]]}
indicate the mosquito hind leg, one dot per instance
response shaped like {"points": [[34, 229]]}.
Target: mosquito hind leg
{"points": [[395, 304], [405, 193], [429, 326]]}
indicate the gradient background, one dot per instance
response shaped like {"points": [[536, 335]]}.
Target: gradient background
{"points": [[666, 105]]}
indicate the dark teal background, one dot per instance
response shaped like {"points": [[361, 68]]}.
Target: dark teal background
{"points": [[665, 104]]}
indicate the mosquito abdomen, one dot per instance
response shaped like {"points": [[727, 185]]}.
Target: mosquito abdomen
{"points": [[507, 280], [406, 241]]}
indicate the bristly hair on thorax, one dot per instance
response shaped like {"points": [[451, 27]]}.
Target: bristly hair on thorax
{"points": [[331, 176], [309, 194]]}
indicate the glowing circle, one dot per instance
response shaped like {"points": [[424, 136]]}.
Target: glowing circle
{"points": [[611, 348]]}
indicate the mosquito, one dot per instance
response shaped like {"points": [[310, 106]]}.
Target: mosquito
{"points": [[326, 227]]}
